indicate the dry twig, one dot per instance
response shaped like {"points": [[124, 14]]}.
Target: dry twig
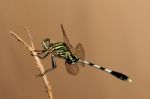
{"points": [[38, 62]]}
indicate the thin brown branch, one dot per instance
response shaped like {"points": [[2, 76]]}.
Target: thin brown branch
{"points": [[38, 61], [31, 39]]}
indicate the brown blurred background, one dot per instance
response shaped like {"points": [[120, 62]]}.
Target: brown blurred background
{"points": [[115, 34]]}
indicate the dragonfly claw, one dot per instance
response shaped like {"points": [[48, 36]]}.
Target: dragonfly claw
{"points": [[37, 51], [41, 75]]}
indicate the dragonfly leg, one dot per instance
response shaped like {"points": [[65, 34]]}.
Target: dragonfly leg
{"points": [[53, 61], [50, 69], [42, 53], [40, 74]]}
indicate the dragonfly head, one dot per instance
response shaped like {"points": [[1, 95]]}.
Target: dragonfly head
{"points": [[46, 43]]}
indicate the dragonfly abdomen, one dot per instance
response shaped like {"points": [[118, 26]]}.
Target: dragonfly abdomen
{"points": [[71, 59], [114, 73]]}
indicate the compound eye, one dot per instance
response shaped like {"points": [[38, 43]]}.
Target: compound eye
{"points": [[46, 43]]}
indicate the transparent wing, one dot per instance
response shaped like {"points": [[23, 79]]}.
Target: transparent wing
{"points": [[65, 38], [72, 69], [80, 53]]}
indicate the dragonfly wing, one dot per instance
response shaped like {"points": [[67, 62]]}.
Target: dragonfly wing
{"points": [[65, 38], [80, 53], [72, 69]]}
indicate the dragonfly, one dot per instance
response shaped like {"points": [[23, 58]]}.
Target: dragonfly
{"points": [[74, 57]]}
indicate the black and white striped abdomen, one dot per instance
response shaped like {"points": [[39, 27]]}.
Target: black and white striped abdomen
{"points": [[114, 73]]}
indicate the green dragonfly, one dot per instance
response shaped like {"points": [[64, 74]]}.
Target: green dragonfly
{"points": [[73, 56]]}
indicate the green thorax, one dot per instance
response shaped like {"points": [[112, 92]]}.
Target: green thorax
{"points": [[60, 49]]}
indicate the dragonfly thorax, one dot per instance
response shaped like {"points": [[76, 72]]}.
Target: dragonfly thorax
{"points": [[47, 43], [60, 49]]}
